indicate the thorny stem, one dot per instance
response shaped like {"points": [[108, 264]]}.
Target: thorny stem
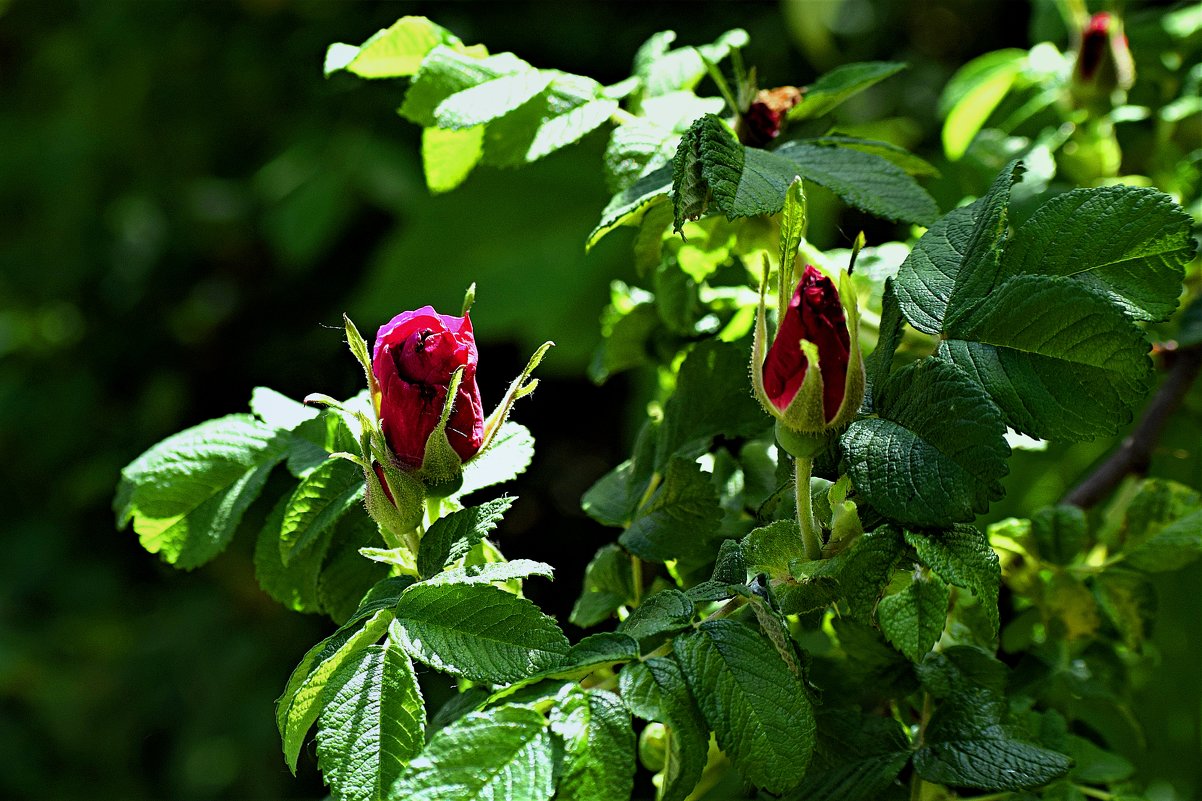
{"points": [[805, 509], [1136, 451]]}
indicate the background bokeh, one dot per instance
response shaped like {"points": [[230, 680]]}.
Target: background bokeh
{"points": [[186, 209]]}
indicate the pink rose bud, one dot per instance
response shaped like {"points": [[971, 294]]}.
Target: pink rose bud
{"points": [[413, 360], [815, 314], [763, 119]]}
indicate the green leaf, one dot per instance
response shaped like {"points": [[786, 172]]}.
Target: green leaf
{"points": [[879, 364], [866, 568], [598, 746], [913, 619], [711, 398], [1170, 547], [629, 336], [570, 108], [444, 72], [1061, 533], [478, 631], [862, 179], [1189, 332], [935, 454], [899, 156], [298, 707], [630, 205], [1130, 243], [656, 690], [1128, 600], [1075, 369], [772, 548], [928, 275], [187, 494], [449, 156], [1096, 766], [965, 744], [756, 706], [507, 457], [491, 99], [372, 723], [614, 498], [647, 143], [347, 576], [956, 263], [278, 410], [832, 88], [394, 52], [711, 166], [858, 758], [666, 612], [962, 556], [679, 519], [664, 70], [608, 584], [492, 572], [973, 93], [500, 754], [293, 584], [317, 503], [450, 538], [596, 652]]}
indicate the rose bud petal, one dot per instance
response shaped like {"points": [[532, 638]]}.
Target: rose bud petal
{"points": [[413, 360], [1104, 61], [814, 327]]}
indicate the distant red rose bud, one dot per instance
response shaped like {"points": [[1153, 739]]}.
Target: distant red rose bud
{"points": [[1104, 61], [413, 360], [815, 314], [763, 119]]}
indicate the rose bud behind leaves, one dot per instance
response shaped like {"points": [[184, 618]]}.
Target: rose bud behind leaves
{"points": [[814, 332], [414, 358], [762, 121], [1104, 61]]}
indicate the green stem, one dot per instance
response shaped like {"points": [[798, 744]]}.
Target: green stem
{"points": [[805, 509], [636, 578], [1094, 793]]}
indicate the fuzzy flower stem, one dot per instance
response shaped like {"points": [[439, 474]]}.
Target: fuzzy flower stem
{"points": [[805, 509]]}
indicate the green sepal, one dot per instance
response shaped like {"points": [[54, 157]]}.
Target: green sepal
{"points": [[441, 465], [799, 444], [403, 514], [522, 386]]}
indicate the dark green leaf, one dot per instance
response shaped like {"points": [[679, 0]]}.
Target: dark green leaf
{"points": [[478, 631], [1075, 369], [864, 570], [711, 398], [1061, 533], [966, 745], [348, 575], [962, 556], [451, 537], [371, 725], [656, 690], [628, 206], [913, 619], [598, 746], [1128, 599], [772, 548], [935, 454], [187, 494], [756, 706], [1170, 547], [500, 754], [1129, 242], [607, 585], [317, 503], [880, 362], [679, 519], [665, 612], [298, 707], [858, 758], [836, 86], [295, 584]]}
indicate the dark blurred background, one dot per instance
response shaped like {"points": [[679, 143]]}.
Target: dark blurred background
{"points": [[187, 207]]}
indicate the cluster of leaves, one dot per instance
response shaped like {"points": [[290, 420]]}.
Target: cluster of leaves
{"points": [[756, 669]]}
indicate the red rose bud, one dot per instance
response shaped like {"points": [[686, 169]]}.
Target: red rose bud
{"points": [[763, 119], [414, 359], [1104, 61], [814, 328]]}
